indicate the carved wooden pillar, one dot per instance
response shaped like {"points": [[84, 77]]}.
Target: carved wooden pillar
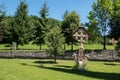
{"points": [[80, 35]]}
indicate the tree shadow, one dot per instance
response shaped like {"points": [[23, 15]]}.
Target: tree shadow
{"points": [[63, 66], [45, 62], [70, 70], [99, 75], [24, 64], [112, 64]]}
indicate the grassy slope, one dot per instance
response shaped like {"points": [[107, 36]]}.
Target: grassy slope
{"points": [[30, 69]]}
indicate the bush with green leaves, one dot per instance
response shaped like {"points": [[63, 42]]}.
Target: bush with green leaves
{"points": [[54, 40]]}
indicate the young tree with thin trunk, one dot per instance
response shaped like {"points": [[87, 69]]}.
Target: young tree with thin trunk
{"points": [[102, 10], [54, 40]]}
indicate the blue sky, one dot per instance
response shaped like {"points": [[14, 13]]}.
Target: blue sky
{"points": [[57, 8]]}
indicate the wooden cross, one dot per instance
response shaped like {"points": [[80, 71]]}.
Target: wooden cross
{"points": [[81, 35]]}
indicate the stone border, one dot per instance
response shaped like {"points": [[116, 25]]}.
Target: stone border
{"points": [[99, 55], [36, 55]]}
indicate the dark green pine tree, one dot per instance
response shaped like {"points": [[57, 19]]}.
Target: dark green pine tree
{"points": [[21, 28], [53, 22], [41, 26], [2, 15]]}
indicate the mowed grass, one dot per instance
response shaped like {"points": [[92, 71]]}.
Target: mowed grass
{"points": [[93, 47], [36, 69], [68, 47]]}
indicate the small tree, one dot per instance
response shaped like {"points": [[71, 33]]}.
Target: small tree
{"points": [[54, 40]]}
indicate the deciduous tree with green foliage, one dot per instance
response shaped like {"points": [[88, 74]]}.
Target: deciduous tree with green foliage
{"points": [[102, 10], [69, 25], [93, 28], [9, 24], [41, 27], [115, 20], [54, 40]]}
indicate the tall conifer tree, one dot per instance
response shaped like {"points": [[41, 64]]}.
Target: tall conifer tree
{"points": [[21, 28], [41, 27]]}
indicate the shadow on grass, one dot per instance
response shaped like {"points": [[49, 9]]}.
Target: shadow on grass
{"points": [[112, 64], [98, 75], [86, 73], [45, 62], [64, 66], [24, 64]]}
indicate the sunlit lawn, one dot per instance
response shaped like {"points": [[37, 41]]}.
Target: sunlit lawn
{"points": [[31, 69], [68, 47]]}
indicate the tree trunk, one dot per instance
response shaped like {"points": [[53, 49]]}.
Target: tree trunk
{"points": [[104, 44], [72, 46], [17, 43], [40, 47], [64, 46], [55, 58], [78, 58], [17, 46]]}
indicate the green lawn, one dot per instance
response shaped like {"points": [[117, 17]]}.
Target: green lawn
{"points": [[68, 47], [31, 69]]}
